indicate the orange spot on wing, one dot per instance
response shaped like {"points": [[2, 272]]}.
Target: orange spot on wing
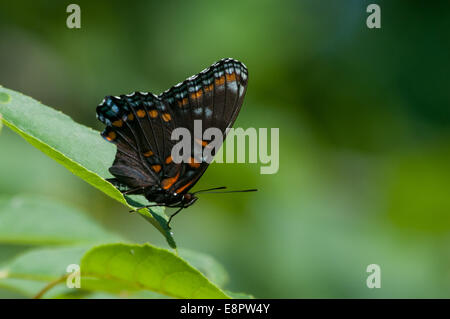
{"points": [[183, 102], [169, 160], [193, 164], [156, 168], [117, 123], [220, 81], [168, 182], [130, 116], [182, 188], [202, 143], [111, 136], [209, 88], [148, 154], [153, 113], [166, 117], [231, 77], [197, 95], [140, 113]]}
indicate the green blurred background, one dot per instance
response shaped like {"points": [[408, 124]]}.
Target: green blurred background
{"points": [[364, 122]]}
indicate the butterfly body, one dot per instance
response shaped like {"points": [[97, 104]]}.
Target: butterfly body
{"points": [[141, 125], [162, 196]]}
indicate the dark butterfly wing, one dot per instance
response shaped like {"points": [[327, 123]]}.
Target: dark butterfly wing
{"points": [[141, 124], [214, 96]]}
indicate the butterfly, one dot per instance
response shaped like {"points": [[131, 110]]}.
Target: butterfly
{"points": [[140, 124]]}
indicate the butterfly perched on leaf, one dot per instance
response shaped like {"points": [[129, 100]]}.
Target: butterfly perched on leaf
{"points": [[140, 124]]}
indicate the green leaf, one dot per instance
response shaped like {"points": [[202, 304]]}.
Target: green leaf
{"points": [[71, 145], [207, 265], [138, 271], [85, 294], [44, 264], [36, 220], [29, 288], [31, 271], [147, 267], [239, 295], [4, 98]]}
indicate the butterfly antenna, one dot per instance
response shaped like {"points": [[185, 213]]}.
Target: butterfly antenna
{"points": [[210, 189], [236, 191]]}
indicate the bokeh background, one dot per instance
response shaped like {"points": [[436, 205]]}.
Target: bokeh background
{"points": [[364, 118]]}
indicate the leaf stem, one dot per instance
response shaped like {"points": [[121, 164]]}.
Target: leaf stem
{"points": [[50, 286]]}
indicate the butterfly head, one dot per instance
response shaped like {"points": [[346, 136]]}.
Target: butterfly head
{"points": [[188, 199], [162, 196]]}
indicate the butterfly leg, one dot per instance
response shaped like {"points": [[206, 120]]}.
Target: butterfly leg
{"points": [[124, 189], [148, 206], [134, 191], [155, 205], [173, 215]]}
